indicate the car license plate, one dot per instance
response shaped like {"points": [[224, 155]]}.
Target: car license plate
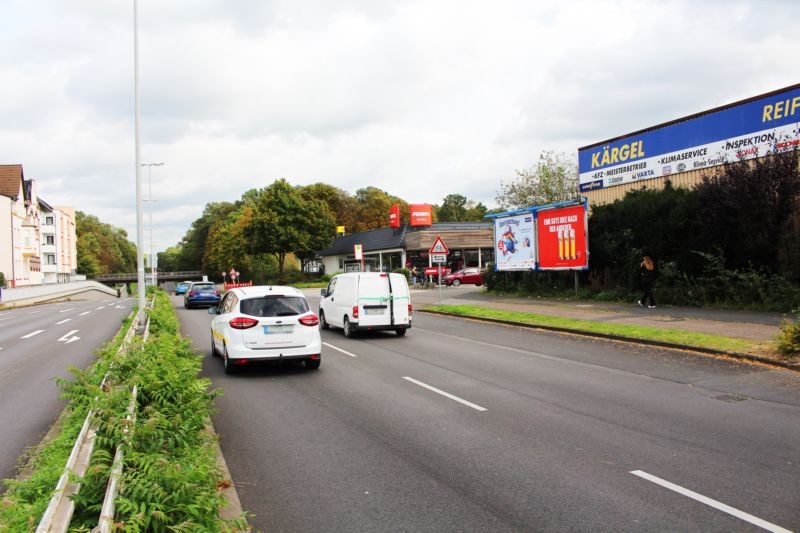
{"points": [[286, 328], [369, 311]]}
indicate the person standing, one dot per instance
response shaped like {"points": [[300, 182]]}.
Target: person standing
{"points": [[647, 273]]}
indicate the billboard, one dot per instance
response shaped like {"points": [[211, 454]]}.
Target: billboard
{"points": [[421, 215], [547, 237], [514, 242], [743, 130], [562, 238]]}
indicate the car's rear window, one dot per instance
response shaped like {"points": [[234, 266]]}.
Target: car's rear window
{"points": [[269, 306], [203, 287]]}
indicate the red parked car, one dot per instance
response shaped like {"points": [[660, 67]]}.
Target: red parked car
{"points": [[470, 276]]}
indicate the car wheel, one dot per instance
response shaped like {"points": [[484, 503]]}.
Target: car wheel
{"points": [[456, 282], [400, 332], [313, 364], [226, 363], [348, 330], [323, 324], [214, 352]]}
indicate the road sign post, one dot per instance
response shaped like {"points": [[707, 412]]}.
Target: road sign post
{"points": [[438, 253]]}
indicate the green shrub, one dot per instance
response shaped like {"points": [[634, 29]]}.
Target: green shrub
{"points": [[789, 340]]}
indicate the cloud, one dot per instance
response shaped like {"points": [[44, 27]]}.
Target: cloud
{"points": [[421, 99]]}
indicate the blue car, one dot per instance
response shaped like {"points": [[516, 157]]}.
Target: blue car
{"points": [[201, 293], [182, 286]]}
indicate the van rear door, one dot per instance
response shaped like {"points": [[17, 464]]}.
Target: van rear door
{"points": [[383, 300]]}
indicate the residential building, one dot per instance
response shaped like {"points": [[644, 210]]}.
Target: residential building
{"points": [[38, 243]]}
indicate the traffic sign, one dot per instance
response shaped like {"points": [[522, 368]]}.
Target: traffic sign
{"points": [[439, 258], [438, 247]]}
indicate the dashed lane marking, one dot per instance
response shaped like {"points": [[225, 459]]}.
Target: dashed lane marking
{"points": [[29, 335], [711, 503], [85, 313], [63, 321], [339, 349], [445, 394]]}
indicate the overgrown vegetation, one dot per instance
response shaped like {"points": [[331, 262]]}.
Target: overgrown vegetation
{"points": [[102, 248], [170, 480], [789, 340]]}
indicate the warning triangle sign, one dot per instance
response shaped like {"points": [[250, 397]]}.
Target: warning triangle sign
{"points": [[438, 247]]}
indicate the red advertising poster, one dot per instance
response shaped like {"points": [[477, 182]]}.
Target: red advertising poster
{"points": [[421, 215], [562, 238], [394, 216]]}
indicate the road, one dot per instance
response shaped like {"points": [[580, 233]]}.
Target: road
{"points": [[467, 426], [38, 344]]}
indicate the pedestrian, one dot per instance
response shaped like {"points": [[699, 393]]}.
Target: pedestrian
{"points": [[647, 273], [414, 276]]}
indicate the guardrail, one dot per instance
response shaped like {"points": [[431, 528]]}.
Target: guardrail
{"points": [[59, 511], [128, 276]]}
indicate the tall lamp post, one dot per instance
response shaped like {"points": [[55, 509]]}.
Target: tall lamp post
{"points": [[150, 205], [139, 225]]}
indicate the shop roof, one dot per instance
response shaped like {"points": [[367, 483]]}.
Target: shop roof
{"points": [[10, 180], [393, 238]]}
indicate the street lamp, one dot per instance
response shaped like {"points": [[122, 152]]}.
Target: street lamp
{"points": [[150, 205]]}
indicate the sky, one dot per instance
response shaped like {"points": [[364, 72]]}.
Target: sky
{"points": [[419, 98]]}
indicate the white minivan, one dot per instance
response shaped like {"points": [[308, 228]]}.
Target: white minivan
{"points": [[366, 301]]}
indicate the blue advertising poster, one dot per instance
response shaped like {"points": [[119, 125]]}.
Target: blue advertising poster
{"points": [[743, 131]]}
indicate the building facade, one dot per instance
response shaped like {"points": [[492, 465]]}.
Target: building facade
{"points": [[38, 242], [386, 249], [684, 151]]}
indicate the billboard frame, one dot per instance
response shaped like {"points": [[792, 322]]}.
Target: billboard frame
{"points": [[534, 211]]}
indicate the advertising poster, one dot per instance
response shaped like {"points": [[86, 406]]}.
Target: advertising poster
{"points": [[421, 215], [562, 238], [514, 242]]}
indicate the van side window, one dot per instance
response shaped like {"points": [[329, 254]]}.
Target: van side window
{"points": [[331, 286]]}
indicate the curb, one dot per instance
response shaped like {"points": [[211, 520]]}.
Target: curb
{"points": [[659, 344]]}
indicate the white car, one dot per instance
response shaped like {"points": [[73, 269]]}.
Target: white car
{"points": [[265, 323]]}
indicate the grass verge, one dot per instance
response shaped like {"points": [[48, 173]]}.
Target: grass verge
{"points": [[671, 336]]}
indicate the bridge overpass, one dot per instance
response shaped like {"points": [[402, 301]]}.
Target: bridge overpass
{"points": [[132, 277]]}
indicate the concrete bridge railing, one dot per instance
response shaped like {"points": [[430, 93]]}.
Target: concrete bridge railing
{"points": [[56, 292]]}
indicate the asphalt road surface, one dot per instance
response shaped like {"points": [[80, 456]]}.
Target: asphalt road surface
{"points": [[467, 426], [38, 344]]}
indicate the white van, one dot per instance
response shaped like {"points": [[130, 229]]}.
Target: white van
{"points": [[366, 301]]}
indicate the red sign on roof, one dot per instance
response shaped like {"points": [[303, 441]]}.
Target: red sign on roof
{"points": [[438, 247]]}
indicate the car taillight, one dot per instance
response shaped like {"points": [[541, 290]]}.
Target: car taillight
{"points": [[355, 311], [243, 322], [309, 320], [192, 293], [409, 309], [216, 292]]}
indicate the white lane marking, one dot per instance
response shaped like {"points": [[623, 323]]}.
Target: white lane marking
{"points": [[712, 503], [70, 339], [34, 312], [445, 394], [7, 318], [29, 335], [101, 307], [63, 321], [85, 313], [339, 349], [65, 310]]}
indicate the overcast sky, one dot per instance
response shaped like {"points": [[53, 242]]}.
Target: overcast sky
{"points": [[419, 98]]}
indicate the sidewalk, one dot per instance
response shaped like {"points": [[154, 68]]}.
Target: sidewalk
{"points": [[749, 325]]}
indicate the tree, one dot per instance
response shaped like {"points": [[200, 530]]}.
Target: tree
{"points": [[373, 207], [341, 204], [102, 248], [193, 244], [553, 179], [283, 222], [168, 260], [456, 208]]}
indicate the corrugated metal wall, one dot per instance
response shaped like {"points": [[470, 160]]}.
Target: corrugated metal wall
{"points": [[684, 179]]}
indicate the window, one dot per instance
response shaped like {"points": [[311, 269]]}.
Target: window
{"points": [[51, 239], [51, 259], [49, 221], [272, 306]]}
